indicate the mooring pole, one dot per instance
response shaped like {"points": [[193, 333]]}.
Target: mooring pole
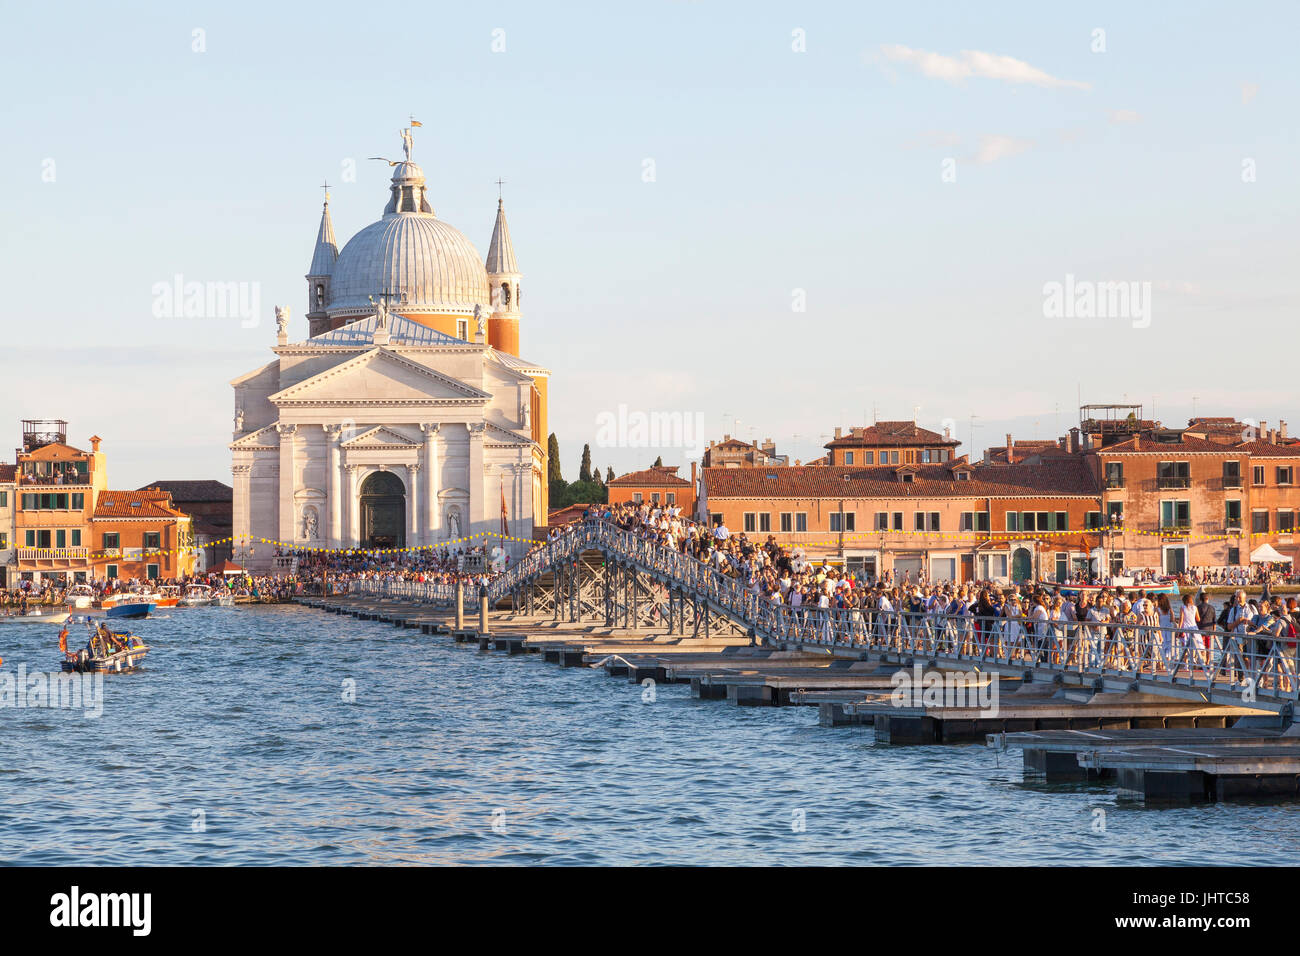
{"points": [[460, 605], [482, 609]]}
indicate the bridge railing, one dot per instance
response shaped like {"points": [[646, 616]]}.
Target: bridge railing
{"points": [[1217, 660]]}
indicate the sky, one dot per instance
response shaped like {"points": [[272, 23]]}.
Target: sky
{"points": [[769, 219]]}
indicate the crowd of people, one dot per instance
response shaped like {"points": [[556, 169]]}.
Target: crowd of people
{"points": [[1189, 627]]}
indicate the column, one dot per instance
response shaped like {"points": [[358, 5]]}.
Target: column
{"points": [[432, 518], [288, 482], [334, 499], [354, 508], [477, 511], [413, 505]]}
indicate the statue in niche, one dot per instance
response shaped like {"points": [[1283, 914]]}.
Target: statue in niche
{"points": [[453, 522], [309, 520]]}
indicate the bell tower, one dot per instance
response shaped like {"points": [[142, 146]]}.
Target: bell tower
{"points": [[320, 271], [503, 280]]}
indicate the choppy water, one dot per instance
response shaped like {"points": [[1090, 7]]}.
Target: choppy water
{"points": [[240, 715]]}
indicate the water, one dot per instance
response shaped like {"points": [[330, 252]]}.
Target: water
{"points": [[240, 715]]}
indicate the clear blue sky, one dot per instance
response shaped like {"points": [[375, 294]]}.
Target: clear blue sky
{"points": [[775, 170]]}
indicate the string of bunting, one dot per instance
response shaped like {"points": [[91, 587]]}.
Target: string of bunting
{"points": [[963, 536]]}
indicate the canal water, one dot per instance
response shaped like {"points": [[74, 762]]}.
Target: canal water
{"points": [[236, 745]]}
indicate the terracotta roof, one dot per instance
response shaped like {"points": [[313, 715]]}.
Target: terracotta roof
{"points": [[1189, 445], [651, 477], [135, 504], [889, 433], [54, 452], [1060, 477], [7, 472], [200, 490]]}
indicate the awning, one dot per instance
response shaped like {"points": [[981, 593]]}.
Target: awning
{"points": [[227, 568], [1265, 553]]}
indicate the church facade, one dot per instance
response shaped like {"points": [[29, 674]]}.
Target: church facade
{"points": [[406, 418]]}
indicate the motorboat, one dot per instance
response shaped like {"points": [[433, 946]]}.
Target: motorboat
{"points": [[130, 605], [106, 650], [80, 596], [169, 595], [197, 595]]}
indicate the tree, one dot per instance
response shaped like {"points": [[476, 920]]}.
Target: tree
{"points": [[584, 471], [609, 475], [595, 476], [659, 462], [553, 459]]}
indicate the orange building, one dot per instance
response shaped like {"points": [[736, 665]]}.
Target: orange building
{"points": [[141, 534], [889, 443], [656, 485], [62, 505], [953, 521]]}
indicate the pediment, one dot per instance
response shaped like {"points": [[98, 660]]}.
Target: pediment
{"points": [[380, 377], [380, 437], [262, 438]]}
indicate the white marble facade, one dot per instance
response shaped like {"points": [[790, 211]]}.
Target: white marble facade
{"points": [[446, 417]]}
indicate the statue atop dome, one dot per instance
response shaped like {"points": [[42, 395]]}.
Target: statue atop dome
{"points": [[407, 142]]}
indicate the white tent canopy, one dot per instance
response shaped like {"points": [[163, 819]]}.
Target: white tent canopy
{"points": [[1266, 552]]}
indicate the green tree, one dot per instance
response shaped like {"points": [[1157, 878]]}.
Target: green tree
{"points": [[584, 470], [609, 475], [659, 462], [553, 460]]}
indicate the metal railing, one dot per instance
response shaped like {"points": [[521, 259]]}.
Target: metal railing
{"points": [[1237, 662]]}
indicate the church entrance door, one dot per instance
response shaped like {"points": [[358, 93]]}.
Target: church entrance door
{"points": [[383, 511]]}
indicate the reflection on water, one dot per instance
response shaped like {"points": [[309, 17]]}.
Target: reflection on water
{"points": [[240, 716]]}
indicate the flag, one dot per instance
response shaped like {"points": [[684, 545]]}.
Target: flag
{"points": [[505, 524], [415, 122]]}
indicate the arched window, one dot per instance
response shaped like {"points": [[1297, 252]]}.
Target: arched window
{"points": [[519, 297], [505, 294], [320, 294]]}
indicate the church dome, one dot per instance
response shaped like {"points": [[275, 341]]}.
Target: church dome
{"points": [[428, 265]]}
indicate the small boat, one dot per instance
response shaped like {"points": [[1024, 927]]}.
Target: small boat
{"points": [[130, 605], [225, 599], [169, 595], [106, 651], [197, 595], [80, 596]]}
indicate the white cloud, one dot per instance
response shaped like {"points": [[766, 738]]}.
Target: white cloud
{"points": [[993, 147], [975, 63], [1122, 117]]}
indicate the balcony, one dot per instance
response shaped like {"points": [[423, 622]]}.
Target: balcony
{"points": [[1114, 481], [53, 554], [1173, 482]]}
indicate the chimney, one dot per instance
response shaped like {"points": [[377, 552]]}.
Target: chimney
{"points": [[1137, 442], [94, 443], [1281, 430], [1011, 450], [837, 431], [693, 477], [1272, 436]]}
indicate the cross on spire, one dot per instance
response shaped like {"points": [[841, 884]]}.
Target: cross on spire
{"points": [[326, 186], [500, 183]]}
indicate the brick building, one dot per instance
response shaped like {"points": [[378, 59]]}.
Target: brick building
{"points": [[889, 443], [211, 506], [734, 453]]}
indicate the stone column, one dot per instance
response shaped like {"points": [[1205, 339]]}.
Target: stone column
{"points": [[354, 508], [288, 483], [477, 511], [334, 491], [413, 501], [432, 519], [243, 505]]}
